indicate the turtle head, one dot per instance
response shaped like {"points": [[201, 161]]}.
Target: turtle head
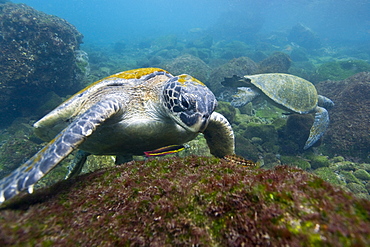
{"points": [[189, 102]]}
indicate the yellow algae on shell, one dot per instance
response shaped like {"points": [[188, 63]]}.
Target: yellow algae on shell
{"points": [[130, 74], [135, 73], [186, 78]]}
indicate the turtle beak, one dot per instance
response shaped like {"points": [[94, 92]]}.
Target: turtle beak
{"points": [[196, 122], [204, 123]]}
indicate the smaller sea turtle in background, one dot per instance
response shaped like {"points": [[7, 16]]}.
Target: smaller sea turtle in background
{"points": [[125, 114], [288, 92]]}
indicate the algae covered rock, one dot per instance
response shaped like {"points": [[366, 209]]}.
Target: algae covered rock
{"points": [[256, 141], [189, 201], [246, 148], [299, 55], [362, 174], [348, 133], [38, 55], [278, 62], [293, 135], [340, 70], [266, 132], [16, 144], [318, 161], [295, 161], [227, 110], [329, 176], [304, 37], [188, 64], [352, 176], [231, 49], [204, 41]]}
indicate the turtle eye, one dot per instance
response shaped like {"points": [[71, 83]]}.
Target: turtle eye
{"points": [[187, 102], [184, 102]]}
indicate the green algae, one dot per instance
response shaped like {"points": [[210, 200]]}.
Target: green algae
{"points": [[260, 130], [295, 161], [349, 177], [340, 70], [226, 110], [268, 112], [328, 175], [318, 161], [357, 188], [362, 174]]}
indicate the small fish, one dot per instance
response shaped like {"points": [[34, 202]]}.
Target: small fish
{"points": [[165, 150], [239, 160]]}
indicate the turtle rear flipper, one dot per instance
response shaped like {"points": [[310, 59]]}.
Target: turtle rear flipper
{"points": [[219, 136], [325, 102], [319, 126], [59, 148]]}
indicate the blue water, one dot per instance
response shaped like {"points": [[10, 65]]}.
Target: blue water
{"points": [[109, 21]]}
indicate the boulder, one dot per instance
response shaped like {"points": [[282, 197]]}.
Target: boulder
{"points": [[38, 56], [348, 132], [200, 201], [304, 37], [188, 64]]}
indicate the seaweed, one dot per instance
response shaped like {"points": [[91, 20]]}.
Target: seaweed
{"points": [[188, 201]]}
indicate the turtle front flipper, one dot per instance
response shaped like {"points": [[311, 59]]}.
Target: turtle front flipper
{"points": [[56, 150], [243, 96], [319, 126], [219, 136]]}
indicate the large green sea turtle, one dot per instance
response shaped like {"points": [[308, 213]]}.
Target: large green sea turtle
{"points": [[125, 114], [289, 92]]}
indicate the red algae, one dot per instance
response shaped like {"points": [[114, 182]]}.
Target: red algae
{"points": [[185, 201]]}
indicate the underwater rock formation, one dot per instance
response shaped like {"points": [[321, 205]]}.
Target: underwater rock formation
{"points": [[16, 144], [339, 70], [227, 110], [38, 55], [348, 133], [299, 55], [304, 37], [188, 64], [190, 201], [205, 41], [278, 62], [293, 135], [228, 50]]}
